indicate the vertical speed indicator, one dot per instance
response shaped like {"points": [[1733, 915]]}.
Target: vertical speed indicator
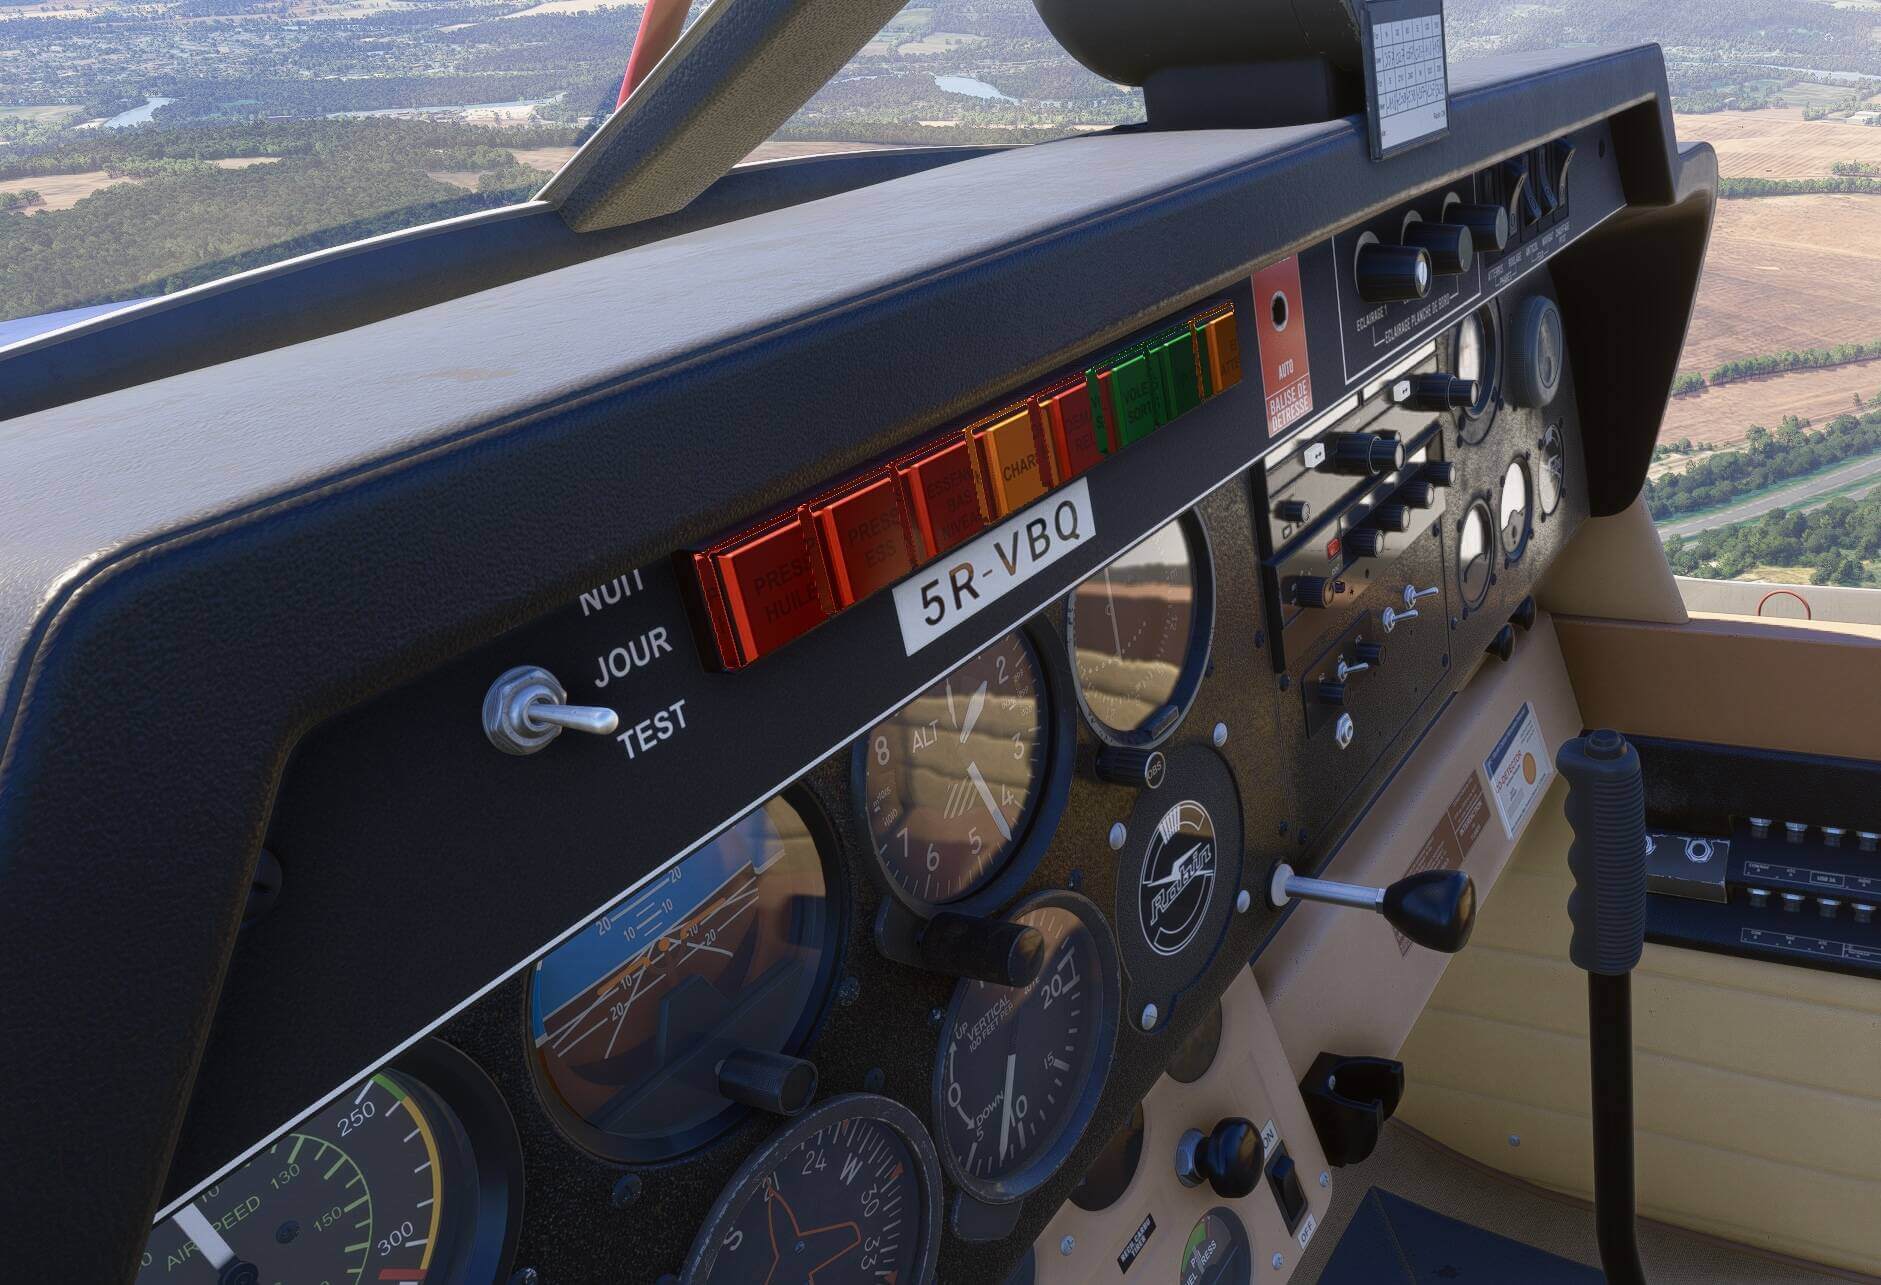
{"points": [[1023, 1067]]}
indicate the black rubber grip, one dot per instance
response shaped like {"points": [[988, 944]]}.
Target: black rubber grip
{"points": [[1606, 806]]}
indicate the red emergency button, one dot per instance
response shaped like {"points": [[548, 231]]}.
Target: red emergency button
{"points": [[865, 538], [769, 582], [943, 501], [1070, 428]]}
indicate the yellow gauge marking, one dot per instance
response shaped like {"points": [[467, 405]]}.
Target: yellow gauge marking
{"points": [[431, 1158]]}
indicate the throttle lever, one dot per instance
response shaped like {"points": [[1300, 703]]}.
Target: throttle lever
{"points": [[1434, 908]]}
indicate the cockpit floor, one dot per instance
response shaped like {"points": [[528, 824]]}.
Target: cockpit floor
{"points": [[1412, 1166]]}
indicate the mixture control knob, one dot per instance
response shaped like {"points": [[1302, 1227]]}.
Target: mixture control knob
{"points": [[1363, 453], [1293, 511], [1419, 495], [1370, 653], [1439, 473], [1488, 225], [1137, 768], [1365, 542], [1393, 517], [1434, 908], [526, 708], [1227, 1158], [1312, 591], [1329, 693], [982, 950], [1393, 273], [1451, 247], [1436, 392]]}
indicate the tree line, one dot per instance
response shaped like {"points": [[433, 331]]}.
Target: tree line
{"points": [[1766, 459], [1776, 363], [1844, 184], [1836, 540]]}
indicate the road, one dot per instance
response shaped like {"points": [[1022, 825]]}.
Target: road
{"points": [[1798, 494]]}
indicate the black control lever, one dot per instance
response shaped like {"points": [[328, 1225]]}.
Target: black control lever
{"points": [[1227, 1157], [1606, 806], [982, 950], [773, 1082], [1434, 908]]}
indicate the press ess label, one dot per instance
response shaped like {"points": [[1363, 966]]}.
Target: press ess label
{"points": [[980, 573]]}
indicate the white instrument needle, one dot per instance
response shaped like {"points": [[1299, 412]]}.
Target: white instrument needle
{"points": [[975, 707], [986, 797], [1005, 1114], [216, 1250]]}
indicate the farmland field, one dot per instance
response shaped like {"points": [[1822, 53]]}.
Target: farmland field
{"points": [[1779, 143]]}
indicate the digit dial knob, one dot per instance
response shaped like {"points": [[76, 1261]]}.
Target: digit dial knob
{"points": [[1451, 247], [1365, 542], [1393, 517], [1439, 473], [1360, 454], [1137, 768], [1328, 693], [1369, 653], [1419, 495], [1488, 225], [1393, 273], [1293, 511], [1438, 392], [1311, 591]]}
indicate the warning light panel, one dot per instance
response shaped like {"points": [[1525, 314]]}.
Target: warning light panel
{"points": [[777, 580]]}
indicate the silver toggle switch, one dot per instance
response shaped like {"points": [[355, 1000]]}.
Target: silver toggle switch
{"points": [[526, 708], [1793, 902], [1346, 671], [1393, 616], [1864, 912], [1413, 595], [1758, 897], [1795, 831], [1827, 906], [1760, 826], [1832, 836], [1867, 840]]}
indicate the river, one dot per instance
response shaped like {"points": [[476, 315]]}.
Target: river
{"points": [[138, 115], [970, 87]]}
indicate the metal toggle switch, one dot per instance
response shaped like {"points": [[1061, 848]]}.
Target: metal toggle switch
{"points": [[1832, 836], [1393, 616], [1413, 595], [1760, 826], [1346, 671], [1795, 831], [527, 708]]}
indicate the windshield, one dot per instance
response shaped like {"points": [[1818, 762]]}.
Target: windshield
{"points": [[150, 146]]}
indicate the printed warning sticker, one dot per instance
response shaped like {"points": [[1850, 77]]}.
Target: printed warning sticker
{"points": [[1280, 333], [1451, 839], [1519, 770]]}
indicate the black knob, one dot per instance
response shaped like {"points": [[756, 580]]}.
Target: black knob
{"points": [[1393, 517], [1419, 495], [1488, 225], [771, 1082], [1329, 693], [1524, 615], [1138, 769], [1363, 453], [982, 950], [1393, 273], [1502, 646], [1434, 908], [1369, 653], [1227, 1157], [1311, 591], [1439, 392], [1365, 542], [1439, 473], [1293, 511], [1451, 247], [1519, 183]]}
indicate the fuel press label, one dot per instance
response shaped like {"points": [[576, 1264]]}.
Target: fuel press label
{"points": [[1280, 332]]}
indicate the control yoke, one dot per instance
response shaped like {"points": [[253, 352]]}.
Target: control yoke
{"points": [[1434, 908]]}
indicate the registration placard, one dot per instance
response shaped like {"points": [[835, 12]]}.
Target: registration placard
{"points": [[974, 576]]}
